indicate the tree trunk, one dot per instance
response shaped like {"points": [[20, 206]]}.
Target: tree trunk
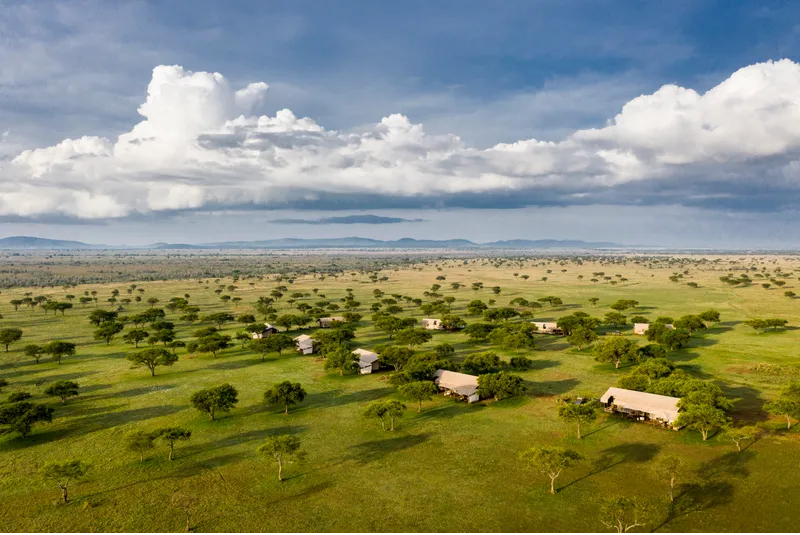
{"points": [[188, 524], [280, 469], [383, 424], [141, 456], [153, 371], [705, 434], [171, 450], [64, 493], [616, 364], [552, 485], [788, 419], [672, 489], [579, 430], [419, 406], [286, 410], [392, 429]]}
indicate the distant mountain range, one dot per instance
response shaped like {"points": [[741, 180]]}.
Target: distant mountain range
{"points": [[31, 243]]}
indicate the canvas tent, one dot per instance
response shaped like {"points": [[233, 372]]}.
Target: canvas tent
{"points": [[458, 384], [305, 344], [642, 405], [367, 361]]}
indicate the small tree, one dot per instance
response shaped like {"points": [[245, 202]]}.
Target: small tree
{"points": [[581, 337], [578, 413], [500, 385], [551, 460], [377, 410], [62, 390], [9, 336], [741, 434], [617, 350], [394, 410], [107, 331], [413, 337], [59, 349], [64, 474], [282, 448], [787, 405], [702, 417], [152, 357], [139, 441], [285, 393], [342, 359], [171, 435], [419, 391], [34, 351], [623, 514], [213, 400], [134, 336], [20, 416], [669, 469]]}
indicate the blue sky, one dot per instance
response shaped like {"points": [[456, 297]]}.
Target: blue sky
{"points": [[489, 73]]}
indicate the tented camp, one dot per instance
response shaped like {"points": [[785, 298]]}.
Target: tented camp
{"points": [[641, 328], [642, 406], [305, 344], [457, 384], [547, 327], [268, 330], [432, 324], [367, 361], [326, 322]]}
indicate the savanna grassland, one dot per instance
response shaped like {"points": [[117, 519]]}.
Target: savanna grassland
{"points": [[452, 467]]}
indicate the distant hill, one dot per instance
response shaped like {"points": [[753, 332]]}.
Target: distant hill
{"points": [[31, 243]]}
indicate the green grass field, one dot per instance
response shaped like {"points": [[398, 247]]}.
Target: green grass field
{"points": [[453, 467]]}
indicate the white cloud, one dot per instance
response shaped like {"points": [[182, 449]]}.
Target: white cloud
{"points": [[198, 147]]}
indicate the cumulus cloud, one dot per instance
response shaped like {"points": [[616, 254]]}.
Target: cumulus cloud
{"points": [[199, 147]]}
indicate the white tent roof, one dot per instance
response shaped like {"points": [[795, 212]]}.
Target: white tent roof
{"points": [[464, 384], [661, 407], [366, 358]]}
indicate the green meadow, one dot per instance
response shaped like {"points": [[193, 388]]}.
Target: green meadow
{"points": [[452, 467]]}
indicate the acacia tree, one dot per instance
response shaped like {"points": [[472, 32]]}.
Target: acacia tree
{"points": [[213, 400], [385, 409], [787, 405], [62, 390], [617, 350], [669, 469], [63, 474], [285, 393], [20, 416], [342, 359], [581, 336], [35, 351], [624, 514], [740, 434], [171, 435], [282, 448], [419, 391], [578, 413], [134, 336], [551, 461], [139, 441], [9, 336], [702, 417], [153, 357], [500, 385]]}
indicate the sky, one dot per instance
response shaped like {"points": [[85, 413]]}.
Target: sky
{"points": [[668, 124]]}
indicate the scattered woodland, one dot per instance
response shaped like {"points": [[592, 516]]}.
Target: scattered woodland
{"points": [[133, 396]]}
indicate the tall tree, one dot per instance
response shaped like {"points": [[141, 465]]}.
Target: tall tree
{"points": [[551, 461], [670, 469], [9, 336], [787, 405], [285, 393], [624, 514], [419, 391], [282, 448], [64, 474], [574, 412], [153, 357], [62, 390], [617, 350], [213, 400], [139, 441], [171, 435]]}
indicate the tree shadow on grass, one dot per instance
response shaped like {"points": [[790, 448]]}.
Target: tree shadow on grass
{"points": [[376, 450], [449, 410], [334, 398], [234, 364], [750, 404], [44, 379], [710, 488], [551, 388], [90, 424], [543, 364], [623, 453], [130, 393]]}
